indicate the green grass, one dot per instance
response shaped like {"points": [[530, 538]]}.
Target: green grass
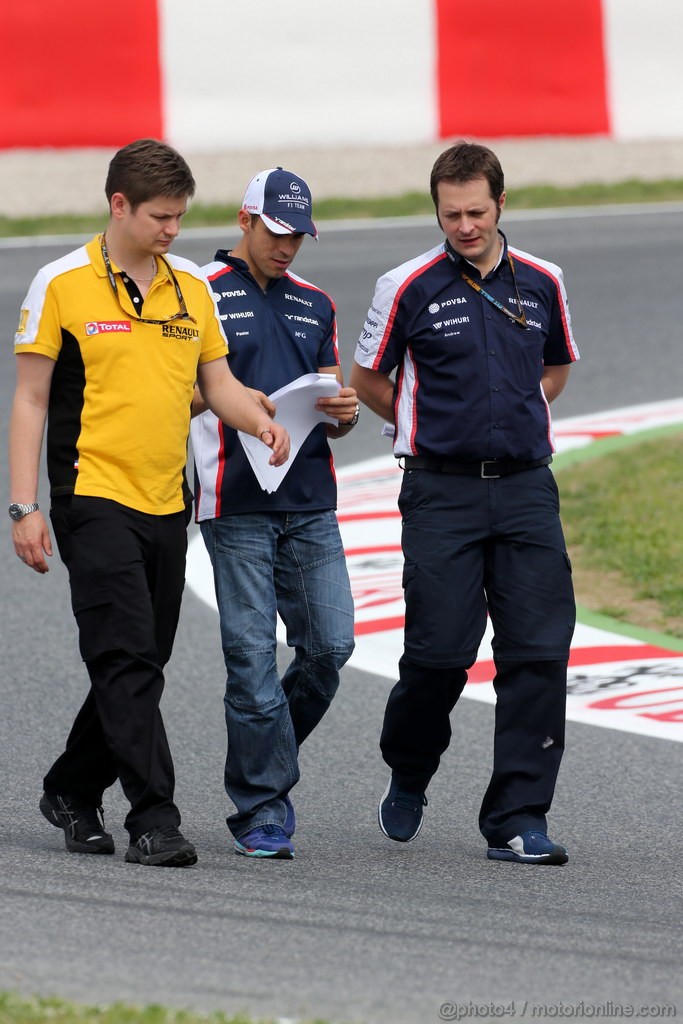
{"points": [[15, 1009], [596, 193], [410, 204], [621, 514]]}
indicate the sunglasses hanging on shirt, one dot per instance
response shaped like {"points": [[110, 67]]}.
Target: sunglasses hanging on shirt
{"points": [[182, 313]]}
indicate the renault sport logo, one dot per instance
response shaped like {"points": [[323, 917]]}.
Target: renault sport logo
{"points": [[107, 326]]}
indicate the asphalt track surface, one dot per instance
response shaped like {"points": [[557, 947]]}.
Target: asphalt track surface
{"points": [[357, 928]]}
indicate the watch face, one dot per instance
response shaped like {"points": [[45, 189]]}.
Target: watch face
{"points": [[18, 511]]}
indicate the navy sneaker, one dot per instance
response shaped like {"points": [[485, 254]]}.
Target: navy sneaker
{"points": [[265, 841], [289, 825], [82, 823], [163, 846], [400, 813], [530, 848]]}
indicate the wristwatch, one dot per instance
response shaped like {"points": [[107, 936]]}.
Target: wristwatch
{"points": [[17, 511]]}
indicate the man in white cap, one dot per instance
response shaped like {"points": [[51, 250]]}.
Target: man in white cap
{"points": [[281, 552]]}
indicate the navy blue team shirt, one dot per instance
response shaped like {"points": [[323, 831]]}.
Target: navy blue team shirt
{"points": [[274, 336], [468, 378]]}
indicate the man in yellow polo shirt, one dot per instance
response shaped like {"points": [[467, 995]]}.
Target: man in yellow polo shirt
{"points": [[111, 340]]}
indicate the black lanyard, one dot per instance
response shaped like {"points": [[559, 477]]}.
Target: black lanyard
{"points": [[520, 318], [182, 314]]}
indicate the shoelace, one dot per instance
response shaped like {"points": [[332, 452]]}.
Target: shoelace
{"points": [[166, 831], [146, 840], [86, 816], [272, 830]]}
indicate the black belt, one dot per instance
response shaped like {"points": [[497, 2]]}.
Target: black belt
{"points": [[487, 469]]}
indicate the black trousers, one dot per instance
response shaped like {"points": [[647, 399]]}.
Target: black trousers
{"points": [[127, 573], [474, 547]]}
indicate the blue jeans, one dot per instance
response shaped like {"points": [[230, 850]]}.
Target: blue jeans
{"points": [[266, 563]]}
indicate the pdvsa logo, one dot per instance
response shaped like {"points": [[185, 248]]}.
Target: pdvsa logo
{"points": [[107, 326]]}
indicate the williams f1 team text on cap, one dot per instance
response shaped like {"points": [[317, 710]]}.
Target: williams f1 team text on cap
{"points": [[282, 200]]}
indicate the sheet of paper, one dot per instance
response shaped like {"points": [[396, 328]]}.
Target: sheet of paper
{"points": [[297, 412]]}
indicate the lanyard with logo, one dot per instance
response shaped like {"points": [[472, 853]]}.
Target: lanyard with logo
{"points": [[182, 314], [520, 318]]}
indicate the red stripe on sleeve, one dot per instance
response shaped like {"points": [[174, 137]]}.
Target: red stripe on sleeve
{"points": [[395, 304], [571, 349]]}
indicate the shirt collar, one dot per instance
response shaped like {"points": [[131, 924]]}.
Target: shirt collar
{"points": [[94, 251], [463, 262]]}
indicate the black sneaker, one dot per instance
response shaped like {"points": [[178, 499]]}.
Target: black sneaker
{"points": [[164, 845], [83, 823], [400, 813]]}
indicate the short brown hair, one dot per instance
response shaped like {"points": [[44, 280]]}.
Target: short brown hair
{"points": [[465, 161], [148, 168]]}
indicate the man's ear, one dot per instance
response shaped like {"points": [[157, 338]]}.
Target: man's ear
{"points": [[244, 220], [119, 205]]}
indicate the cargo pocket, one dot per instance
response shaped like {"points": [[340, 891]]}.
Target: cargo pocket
{"points": [[408, 575], [96, 615]]}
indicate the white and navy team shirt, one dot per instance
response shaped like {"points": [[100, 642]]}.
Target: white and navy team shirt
{"points": [[274, 337], [468, 377]]}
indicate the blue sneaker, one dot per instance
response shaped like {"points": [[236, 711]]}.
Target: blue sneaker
{"points": [[289, 825], [400, 813], [265, 841], [530, 848]]}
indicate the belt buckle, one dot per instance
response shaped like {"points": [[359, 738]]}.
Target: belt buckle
{"points": [[489, 476]]}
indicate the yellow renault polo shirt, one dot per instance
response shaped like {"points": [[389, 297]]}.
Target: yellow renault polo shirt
{"points": [[121, 392]]}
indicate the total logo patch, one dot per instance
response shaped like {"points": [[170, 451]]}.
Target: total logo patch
{"points": [[107, 326]]}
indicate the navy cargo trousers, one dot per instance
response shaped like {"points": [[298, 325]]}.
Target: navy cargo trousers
{"points": [[475, 547]]}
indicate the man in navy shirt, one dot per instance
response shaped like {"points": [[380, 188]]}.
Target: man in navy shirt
{"points": [[280, 552], [479, 336]]}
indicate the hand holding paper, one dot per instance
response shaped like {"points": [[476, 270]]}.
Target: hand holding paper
{"points": [[295, 403]]}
